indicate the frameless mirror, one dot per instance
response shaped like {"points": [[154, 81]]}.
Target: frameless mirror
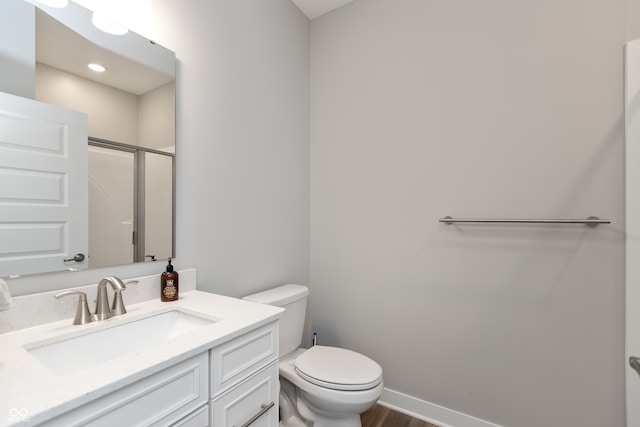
{"points": [[131, 129]]}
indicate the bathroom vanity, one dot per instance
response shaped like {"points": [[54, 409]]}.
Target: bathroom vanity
{"points": [[204, 360]]}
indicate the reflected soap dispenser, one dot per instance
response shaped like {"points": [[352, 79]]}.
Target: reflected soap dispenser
{"points": [[169, 284]]}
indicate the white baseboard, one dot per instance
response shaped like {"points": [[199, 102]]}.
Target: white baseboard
{"points": [[429, 412]]}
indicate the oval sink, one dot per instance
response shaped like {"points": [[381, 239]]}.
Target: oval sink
{"points": [[70, 354]]}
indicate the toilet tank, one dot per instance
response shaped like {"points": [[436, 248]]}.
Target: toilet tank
{"points": [[293, 298]]}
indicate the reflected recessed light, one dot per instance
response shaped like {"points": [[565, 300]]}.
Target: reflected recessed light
{"points": [[54, 3], [107, 25], [97, 67]]}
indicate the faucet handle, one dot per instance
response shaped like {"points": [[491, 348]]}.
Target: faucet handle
{"points": [[117, 308], [83, 315]]}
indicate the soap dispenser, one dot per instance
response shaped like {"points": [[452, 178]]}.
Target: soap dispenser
{"points": [[169, 284]]}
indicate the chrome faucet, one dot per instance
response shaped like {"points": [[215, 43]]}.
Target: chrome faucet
{"points": [[103, 310]]}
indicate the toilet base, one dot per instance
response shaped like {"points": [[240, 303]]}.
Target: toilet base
{"points": [[295, 412], [323, 421]]}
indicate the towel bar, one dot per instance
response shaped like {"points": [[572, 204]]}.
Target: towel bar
{"points": [[592, 221]]}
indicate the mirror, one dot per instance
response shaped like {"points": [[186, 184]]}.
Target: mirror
{"points": [[131, 129]]}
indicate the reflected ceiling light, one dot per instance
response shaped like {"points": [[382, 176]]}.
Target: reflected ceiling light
{"points": [[97, 67], [107, 25], [54, 3]]}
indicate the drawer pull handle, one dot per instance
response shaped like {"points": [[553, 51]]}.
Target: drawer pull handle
{"points": [[263, 410]]}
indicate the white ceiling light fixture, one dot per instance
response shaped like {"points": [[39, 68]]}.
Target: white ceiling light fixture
{"points": [[54, 3], [97, 67], [107, 25], [132, 14]]}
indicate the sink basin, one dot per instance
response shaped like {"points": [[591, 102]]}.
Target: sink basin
{"points": [[71, 354]]}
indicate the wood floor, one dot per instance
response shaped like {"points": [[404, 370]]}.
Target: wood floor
{"points": [[380, 416]]}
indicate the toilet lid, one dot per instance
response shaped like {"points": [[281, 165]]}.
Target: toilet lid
{"points": [[338, 368]]}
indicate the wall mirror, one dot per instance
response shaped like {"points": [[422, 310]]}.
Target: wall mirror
{"points": [[131, 129]]}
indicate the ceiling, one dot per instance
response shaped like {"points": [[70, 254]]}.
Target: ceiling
{"points": [[315, 8]]}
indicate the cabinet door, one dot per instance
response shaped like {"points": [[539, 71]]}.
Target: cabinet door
{"points": [[241, 357], [253, 402]]}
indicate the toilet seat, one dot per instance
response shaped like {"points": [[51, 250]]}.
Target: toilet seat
{"points": [[338, 369]]}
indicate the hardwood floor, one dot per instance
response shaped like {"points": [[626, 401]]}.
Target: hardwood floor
{"points": [[380, 416]]}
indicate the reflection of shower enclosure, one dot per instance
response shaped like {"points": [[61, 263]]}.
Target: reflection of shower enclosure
{"points": [[130, 204]]}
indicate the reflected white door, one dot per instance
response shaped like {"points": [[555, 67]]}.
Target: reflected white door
{"points": [[43, 187], [632, 298]]}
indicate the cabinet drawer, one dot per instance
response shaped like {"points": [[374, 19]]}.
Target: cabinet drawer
{"points": [[255, 400], [158, 400], [239, 358], [199, 418]]}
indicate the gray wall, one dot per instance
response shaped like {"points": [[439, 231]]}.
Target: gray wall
{"points": [[243, 140], [422, 109]]}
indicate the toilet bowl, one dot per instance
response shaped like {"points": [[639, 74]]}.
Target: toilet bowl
{"points": [[321, 386], [329, 400]]}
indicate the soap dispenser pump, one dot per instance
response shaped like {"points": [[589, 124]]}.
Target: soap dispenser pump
{"points": [[169, 284]]}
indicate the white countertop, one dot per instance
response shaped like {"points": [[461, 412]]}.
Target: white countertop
{"points": [[30, 393]]}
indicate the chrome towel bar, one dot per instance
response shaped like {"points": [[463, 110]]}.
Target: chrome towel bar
{"points": [[592, 221]]}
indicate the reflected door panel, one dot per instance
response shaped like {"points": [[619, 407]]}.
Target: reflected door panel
{"points": [[43, 192]]}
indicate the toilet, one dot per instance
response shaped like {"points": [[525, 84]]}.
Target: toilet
{"points": [[321, 386]]}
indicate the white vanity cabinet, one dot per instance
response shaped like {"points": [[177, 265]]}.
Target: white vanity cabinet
{"points": [[244, 380], [221, 372], [234, 384]]}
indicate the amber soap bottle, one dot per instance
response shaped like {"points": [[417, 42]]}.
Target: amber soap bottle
{"points": [[169, 284]]}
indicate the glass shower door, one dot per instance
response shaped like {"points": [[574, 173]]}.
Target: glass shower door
{"points": [[111, 207]]}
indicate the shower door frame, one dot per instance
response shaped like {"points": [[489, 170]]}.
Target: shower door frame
{"points": [[139, 205]]}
